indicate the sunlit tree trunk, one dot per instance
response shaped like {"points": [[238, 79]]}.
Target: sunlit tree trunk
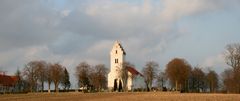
{"points": [[176, 84], [49, 83]]}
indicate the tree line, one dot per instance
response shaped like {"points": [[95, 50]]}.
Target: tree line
{"points": [[178, 75], [36, 74], [185, 78]]}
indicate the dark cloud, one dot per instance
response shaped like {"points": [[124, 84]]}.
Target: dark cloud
{"points": [[26, 23]]}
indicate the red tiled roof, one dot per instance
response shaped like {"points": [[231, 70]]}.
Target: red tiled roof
{"points": [[133, 71], [6, 80]]}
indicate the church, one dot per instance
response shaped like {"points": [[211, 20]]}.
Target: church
{"points": [[135, 79]]}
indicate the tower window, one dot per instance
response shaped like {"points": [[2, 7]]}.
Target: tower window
{"points": [[116, 60], [116, 51]]}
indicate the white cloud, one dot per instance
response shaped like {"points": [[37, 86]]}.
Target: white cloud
{"points": [[32, 30], [65, 13], [214, 61], [175, 9]]}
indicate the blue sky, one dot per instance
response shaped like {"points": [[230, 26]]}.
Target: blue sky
{"points": [[73, 31]]}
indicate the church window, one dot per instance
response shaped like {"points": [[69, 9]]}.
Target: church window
{"points": [[116, 51]]}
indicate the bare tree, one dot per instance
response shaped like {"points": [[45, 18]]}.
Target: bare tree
{"points": [[98, 77], [30, 73], [56, 71], [212, 78], [228, 80], [94, 79], [178, 71], [150, 73], [124, 74], [197, 80], [232, 58], [82, 73], [41, 70], [232, 55], [236, 77], [48, 75], [161, 79]]}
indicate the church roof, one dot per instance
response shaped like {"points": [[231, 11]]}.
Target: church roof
{"points": [[133, 71]]}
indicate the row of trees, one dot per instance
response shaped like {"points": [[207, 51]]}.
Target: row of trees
{"points": [[185, 78], [91, 77], [178, 73], [36, 73], [182, 76]]}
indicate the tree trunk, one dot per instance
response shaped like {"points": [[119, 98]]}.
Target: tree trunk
{"points": [[49, 83], [176, 85], [212, 87], [56, 87], [42, 86], [150, 85], [162, 83], [180, 87]]}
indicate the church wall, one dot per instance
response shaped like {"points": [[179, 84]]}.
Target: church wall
{"points": [[130, 81], [117, 57]]}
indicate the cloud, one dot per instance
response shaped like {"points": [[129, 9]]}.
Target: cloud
{"points": [[176, 9], [26, 24], [77, 31], [214, 60], [65, 13]]}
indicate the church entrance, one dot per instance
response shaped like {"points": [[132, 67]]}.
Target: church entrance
{"points": [[117, 85], [120, 86]]}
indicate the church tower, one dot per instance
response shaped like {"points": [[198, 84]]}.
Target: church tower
{"points": [[117, 57]]}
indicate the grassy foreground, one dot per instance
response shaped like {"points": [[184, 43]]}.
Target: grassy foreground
{"points": [[136, 96]]}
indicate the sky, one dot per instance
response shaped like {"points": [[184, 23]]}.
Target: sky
{"points": [[73, 31]]}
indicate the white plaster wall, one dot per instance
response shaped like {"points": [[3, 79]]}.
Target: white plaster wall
{"points": [[115, 67], [130, 81]]}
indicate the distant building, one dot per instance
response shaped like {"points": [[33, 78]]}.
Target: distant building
{"points": [[7, 83], [117, 58]]}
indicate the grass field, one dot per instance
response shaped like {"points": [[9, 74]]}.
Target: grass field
{"points": [[136, 96]]}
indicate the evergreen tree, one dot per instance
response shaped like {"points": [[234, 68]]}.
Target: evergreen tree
{"points": [[65, 82], [19, 81]]}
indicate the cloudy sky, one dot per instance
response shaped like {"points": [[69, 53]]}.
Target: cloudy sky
{"points": [[72, 31]]}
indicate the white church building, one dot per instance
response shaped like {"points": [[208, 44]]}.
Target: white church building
{"points": [[117, 58]]}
